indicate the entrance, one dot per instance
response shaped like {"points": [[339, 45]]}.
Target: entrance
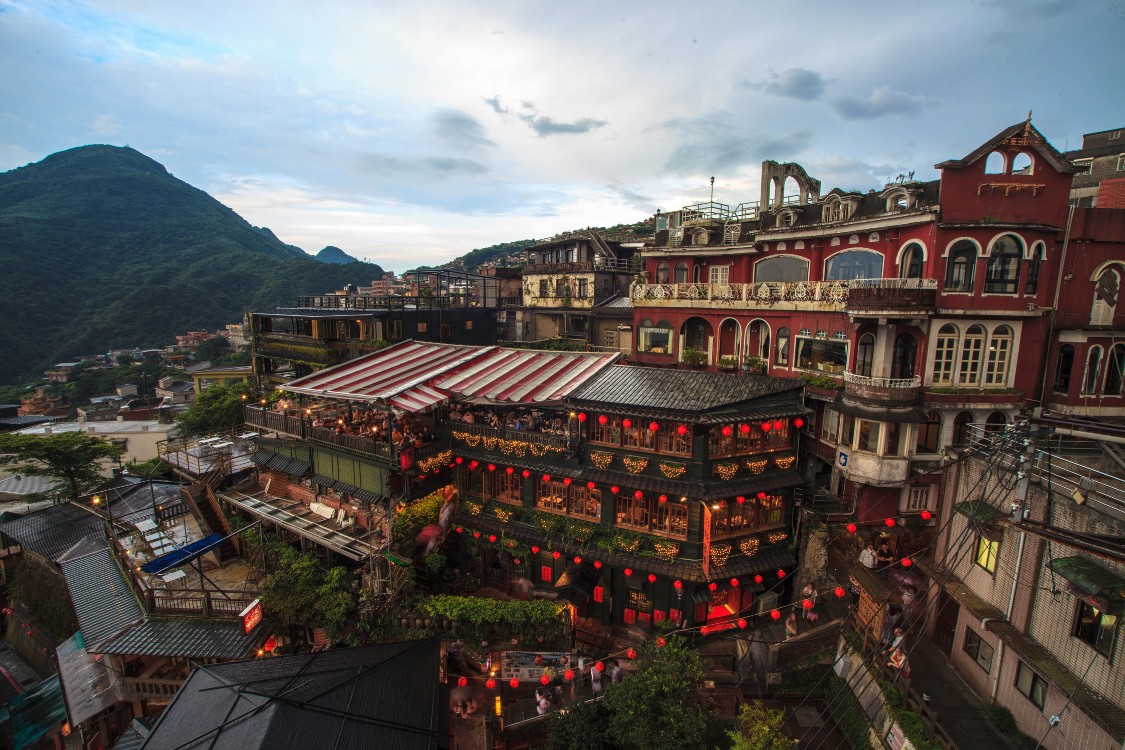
{"points": [[946, 624]]}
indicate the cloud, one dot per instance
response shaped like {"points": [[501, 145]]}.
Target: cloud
{"points": [[460, 131], [795, 83], [882, 101], [712, 145], [631, 197], [543, 125], [106, 125], [494, 103]]}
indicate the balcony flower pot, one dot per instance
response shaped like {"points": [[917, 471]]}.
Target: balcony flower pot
{"points": [[754, 365], [694, 357], [728, 363]]}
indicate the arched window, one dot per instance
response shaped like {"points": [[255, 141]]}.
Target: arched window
{"points": [[1034, 266], [971, 349], [911, 266], [1002, 276], [781, 268], [945, 353], [1093, 364], [995, 163], [960, 267], [961, 427], [903, 356], [681, 273], [995, 422], [929, 434], [1105, 298], [781, 352], [865, 354], [1022, 163], [1063, 367], [999, 354], [854, 264], [1115, 371], [663, 273]]}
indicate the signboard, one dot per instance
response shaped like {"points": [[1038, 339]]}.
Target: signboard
{"points": [[842, 458], [406, 458], [251, 616], [529, 666], [706, 541]]}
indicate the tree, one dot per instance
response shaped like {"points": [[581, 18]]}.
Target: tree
{"points": [[218, 409], [299, 592], [211, 349], [661, 705], [756, 725], [74, 458], [581, 727]]}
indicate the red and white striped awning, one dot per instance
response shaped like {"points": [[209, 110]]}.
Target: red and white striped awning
{"points": [[419, 398], [524, 376]]}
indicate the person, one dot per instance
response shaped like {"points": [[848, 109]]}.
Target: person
{"points": [[908, 594], [468, 418], [885, 558], [791, 625], [542, 705], [809, 592], [898, 661], [896, 640], [616, 674], [595, 681], [867, 556]]}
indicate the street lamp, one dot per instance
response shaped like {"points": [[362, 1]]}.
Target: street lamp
{"points": [[97, 500]]}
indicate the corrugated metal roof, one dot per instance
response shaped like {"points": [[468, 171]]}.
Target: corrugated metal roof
{"points": [[683, 391], [103, 600], [189, 638], [51, 532], [89, 684], [37, 712], [525, 376], [419, 398]]}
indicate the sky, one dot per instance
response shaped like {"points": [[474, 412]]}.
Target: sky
{"points": [[411, 132]]}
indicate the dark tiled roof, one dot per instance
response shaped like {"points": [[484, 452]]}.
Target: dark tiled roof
{"points": [[26, 420], [103, 600], [279, 462], [51, 532], [385, 696], [189, 638], [679, 391], [1038, 144]]}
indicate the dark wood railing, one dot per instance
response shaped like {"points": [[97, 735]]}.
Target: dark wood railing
{"points": [[470, 434]]}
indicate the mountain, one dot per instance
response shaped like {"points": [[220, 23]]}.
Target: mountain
{"points": [[103, 248], [333, 254]]}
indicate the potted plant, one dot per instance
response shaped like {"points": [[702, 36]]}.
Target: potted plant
{"points": [[728, 362], [754, 364], [694, 357]]}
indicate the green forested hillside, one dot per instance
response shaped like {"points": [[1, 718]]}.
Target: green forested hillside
{"points": [[103, 248]]}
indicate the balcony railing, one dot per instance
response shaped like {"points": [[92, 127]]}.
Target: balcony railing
{"points": [[151, 689], [898, 391], [916, 295], [515, 442], [851, 378], [576, 267], [273, 421], [764, 294]]}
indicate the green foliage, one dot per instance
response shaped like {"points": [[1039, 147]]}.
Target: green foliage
{"points": [[831, 691], [474, 259], [218, 409], [88, 381], [45, 596], [477, 619], [550, 345], [583, 726], [821, 381], [1006, 723], [73, 458], [435, 563], [693, 357], [660, 706], [298, 591], [756, 725], [211, 349], [138, 255], [409, 522]]}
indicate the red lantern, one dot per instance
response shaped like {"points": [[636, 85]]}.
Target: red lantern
{"points": [[740, 499], [639, 495], [602, 419], [927, 515], [775, 614], [459, 529], [758, 578], [742, 623], [677, 584], [492, 467], [681, 430], [852, 528], [652, 577], [535, 550], [807, 604], [510, 471], [653, 426], [615, 489], [727, 431], [581, 416], [567, 481], [473, 464], [577, 560], [890, 522], [526, 473], [591, 485], [761, 496], [798, 423], [631, 653], [556, 554], [663, 498], [778, 424], [734, 583], [600, 666], [660, 642], [545, 680], [462, 682], [492, 538], [780, 573], [270, 644], [490, 683], [907, 562], [568, 675], [628, 572], [766, 426], [712, 586], [704, 630], [626, 423], [839, 592], [458, 459], [597, 564], [744, 429], [476, 535], [514, 682], [546, 477]]}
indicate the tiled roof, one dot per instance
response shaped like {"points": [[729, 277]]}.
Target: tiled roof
{"points": [[103, 600], [89, 684], [680, 391], [384, 696], [188, 638], [51, 532], [18, 487]]}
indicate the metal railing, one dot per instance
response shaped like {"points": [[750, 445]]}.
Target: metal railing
{"points": [[863, 380], [705, 211], [764, 293], [151, 689], [892, 284]]}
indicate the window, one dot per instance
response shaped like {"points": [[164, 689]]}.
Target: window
{"points": [[544, 288], [1031, 685], [468, 325], [864, 354], [995, 163], [1002, 275], [1093, 363], [980, 651], [1063, 366], [562, 288], [995, 423], [654, 338], [911, 266], [720, 274], [986, 553], [944, 354], [1105, 298], [826, 356], [903, 356], [971, 349], [732, 517], [895, 442], [1121, 163], [1096, 627], [960, 267], [961, 428], [781, 351], [929, 434], [1034, 266], [868, 436], [829, 424], [999, 353], [507, 488], [781, 268], [663, 273], [1115, 371], [681, 273], [1022, 164], [421, 327], [854, 264], [583, 288], [918, 498], [831, 210]]}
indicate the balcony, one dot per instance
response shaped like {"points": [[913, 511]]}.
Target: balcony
{"points": [[553, 268], [884, 391], [893, 297], [507, 443], [820, 296], [871, 468]]}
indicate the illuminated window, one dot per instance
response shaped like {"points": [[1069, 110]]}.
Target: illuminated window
{"points": [[986, 552], [1095, 627]]}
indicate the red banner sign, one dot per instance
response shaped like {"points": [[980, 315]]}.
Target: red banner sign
{"points": [[251, 616]]}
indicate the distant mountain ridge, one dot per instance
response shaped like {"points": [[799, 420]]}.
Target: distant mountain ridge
{"points": [[333, 254], [104, 248]]}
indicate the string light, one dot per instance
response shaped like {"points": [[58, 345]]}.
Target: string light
{"points": [[435, 462], [719, 555], [777, 536], [666, 551], [634, 465], [784, 462], [750, 546], [601, 459], [757, 465], [672, 470], [726, 471], [508, 447]]}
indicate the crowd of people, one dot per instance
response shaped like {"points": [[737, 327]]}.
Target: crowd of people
{"points": [[523, 420]]}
